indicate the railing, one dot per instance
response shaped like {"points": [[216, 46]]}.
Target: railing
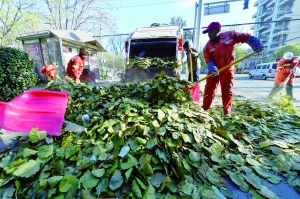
{"points": [[271, 3]]}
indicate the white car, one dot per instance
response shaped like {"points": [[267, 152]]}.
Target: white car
{"points": [[264, 70]]}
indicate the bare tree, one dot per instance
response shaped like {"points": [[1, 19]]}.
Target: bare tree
{"points": [[15, 16], [88, 15], [116, 44]]}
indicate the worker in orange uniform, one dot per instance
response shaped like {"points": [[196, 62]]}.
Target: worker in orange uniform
{"points": [[49, 70], [286, 68], [76, 65], [218, 53]]}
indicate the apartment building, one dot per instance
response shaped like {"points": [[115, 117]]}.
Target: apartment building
{"points": [[277, 25]]}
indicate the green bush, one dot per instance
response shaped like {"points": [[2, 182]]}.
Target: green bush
{"points": [[16, 73]]}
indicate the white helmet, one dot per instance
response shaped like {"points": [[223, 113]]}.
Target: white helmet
{"points": [[288, 56]]}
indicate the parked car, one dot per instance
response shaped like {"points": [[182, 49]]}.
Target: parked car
{"points": [[264, 70]]}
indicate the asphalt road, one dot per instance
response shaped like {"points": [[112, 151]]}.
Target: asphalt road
{"points": [[255, 89]]}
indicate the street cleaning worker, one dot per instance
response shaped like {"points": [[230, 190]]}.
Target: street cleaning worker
{"points": [[76, 65], [195, 61], [49, 70], [286, 65], [218, 53]]}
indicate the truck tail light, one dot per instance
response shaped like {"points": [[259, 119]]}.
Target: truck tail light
{"points": [[179, 45], [270, 70]]}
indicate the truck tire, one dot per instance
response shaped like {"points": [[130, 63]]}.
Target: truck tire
{"points": [[264, 77]]}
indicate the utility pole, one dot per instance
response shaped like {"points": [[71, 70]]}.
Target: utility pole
{"points": [[198, 25]]}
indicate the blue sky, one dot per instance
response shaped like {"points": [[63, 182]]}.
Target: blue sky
{"points": [[132, 14]]}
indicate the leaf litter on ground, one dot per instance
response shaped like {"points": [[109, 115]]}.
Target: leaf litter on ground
{"points": [[155, 144]]}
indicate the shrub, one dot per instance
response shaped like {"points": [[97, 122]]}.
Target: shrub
{"points": [[16, 73]]}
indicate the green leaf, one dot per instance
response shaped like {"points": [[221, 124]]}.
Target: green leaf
{"points": [[235, 158], [116, 180], [267, 193], [161, 88], [262, 171], [128, 173], [127, 165], [124, 151], [218, 194], [194, 156], [102, 186], [238, 180], [28, 152], [144, 159], [264, 144], [149, 193], [162, 131], [151, 143], [252, 162], [98, 172], [147, 169], [157, 179], [162, 155], [45, 151], [27, 169], [136, 189], [53, 181], [187, 188], [213, 177], [6, 161], [161, 114], [141, 183], [69, 183], [35, 136], [88, 181], [254, 180]]}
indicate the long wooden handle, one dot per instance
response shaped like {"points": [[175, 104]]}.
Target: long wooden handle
{"points": [[190, 62], [228, 66]]}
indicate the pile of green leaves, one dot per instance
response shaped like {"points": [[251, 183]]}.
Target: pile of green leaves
{"points": [[164, 146], [152, 62], [16, 73]]}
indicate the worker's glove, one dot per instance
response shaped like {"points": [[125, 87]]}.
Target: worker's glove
{"points": [[215, 72], [255, 44], [211, 66]]}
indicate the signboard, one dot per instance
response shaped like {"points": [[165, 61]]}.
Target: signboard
{"points": [[217, 9]]}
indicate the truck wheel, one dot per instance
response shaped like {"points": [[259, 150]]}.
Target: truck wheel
{"points": [[250, 76], [264, 77]]}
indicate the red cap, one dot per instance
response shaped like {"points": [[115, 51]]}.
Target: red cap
{"points": [[211, 26]]}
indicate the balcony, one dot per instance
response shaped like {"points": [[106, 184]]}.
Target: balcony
{"points": [[265, 32], [271, 3], [269, 18], [254, 15], [285, 32], [263, 27], [256, 3], [264, 2], [284, 16], [264, 39], [276, 41], [284, 2]]}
